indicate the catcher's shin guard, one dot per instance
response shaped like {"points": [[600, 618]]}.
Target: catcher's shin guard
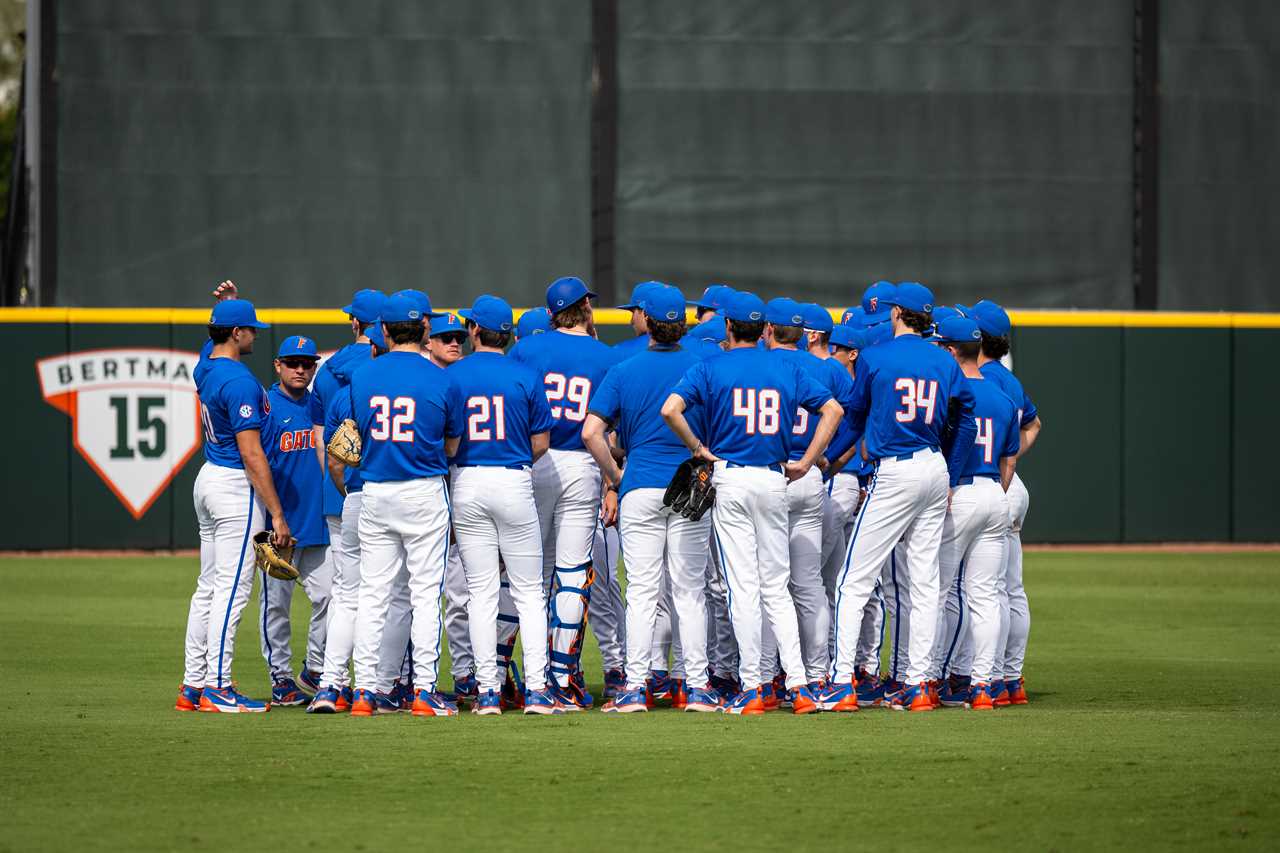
{"points": [[567, 619]]}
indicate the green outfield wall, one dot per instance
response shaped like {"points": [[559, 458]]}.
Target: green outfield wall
{"points": [[1157, 427]]}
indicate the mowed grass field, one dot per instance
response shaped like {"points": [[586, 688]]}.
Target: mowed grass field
{"points": [[1152, 724]]}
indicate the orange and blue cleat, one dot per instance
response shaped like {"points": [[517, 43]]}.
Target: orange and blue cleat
{"points": [[1016, 691], [802, 700], [571, 697], [838, 697], [627, 702], [188, 698], [287, 692], [539, 702], [433, 704], [325, 701], [980, 697], [488, 703], [914, 698], [225, 700], [702, 699], [679, 693], [363, 703], [748, 703]]}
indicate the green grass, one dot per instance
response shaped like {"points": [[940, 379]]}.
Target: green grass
{"points": [[1152, 723]]}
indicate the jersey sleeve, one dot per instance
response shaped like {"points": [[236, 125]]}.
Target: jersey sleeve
{"points": [[454, 410], [692, 387], [319, 393], [1029, 410], [340, 410], [540, 419], [243, 398], [1013, 436], [606, 401], [810, 393], [966, 428]]}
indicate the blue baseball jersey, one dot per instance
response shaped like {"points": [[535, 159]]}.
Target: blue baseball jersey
{"points": [[630, 347], [831, 375], [902, 397], [996, 419], [295, 468], [505, 405], [1012, 387], [231, 401], [571, 367], [405, 407], [328, 392], [750, 398], [630, 399]]}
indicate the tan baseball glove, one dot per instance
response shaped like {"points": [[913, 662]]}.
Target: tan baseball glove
{"points": [[277, 562], [345, 443]]}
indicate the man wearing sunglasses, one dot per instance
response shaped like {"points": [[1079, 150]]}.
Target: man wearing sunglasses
{"points": [[299, 481]]}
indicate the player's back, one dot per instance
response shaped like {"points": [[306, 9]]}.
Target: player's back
{"points": [[836, 380], [231, 401], [327, 392], [905, 385], [631, 398], [1013, 389], [751, 398], [404, 406], [505, 404], [997, 436], [629, 347], [571, 367]]}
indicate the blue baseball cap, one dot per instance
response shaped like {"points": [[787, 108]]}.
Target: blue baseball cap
{"points": [[852, 315], [489, 312], [784, 311], [423, 301], [296, 346], [664, 303], [450, 323], [913, 296], [712, 329], [944, 312], [991, 318], [958, 330], [877, 334], [565, 292], [366, 305], [715, 297], [846, 336], [877, 298], [236, 312], [535, 321], [816, 318], [639, 292], [745, 307], [375, 336], [402, 308]]}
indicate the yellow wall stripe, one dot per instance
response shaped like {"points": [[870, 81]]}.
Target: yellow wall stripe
{"points": [[616, 317]]}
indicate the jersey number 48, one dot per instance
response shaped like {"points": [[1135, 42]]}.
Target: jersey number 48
{"points": [[760, 409]]}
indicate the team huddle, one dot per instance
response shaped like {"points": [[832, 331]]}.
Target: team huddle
{"points": [[860, 475]]}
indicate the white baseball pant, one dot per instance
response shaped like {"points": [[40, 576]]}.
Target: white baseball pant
{"points": [[750, 524], [404, 530], [566, 489], [896, 590], [969, 561], [1013, 648], [658, 544], [494, 515], [228, 515], [664, 652], [457, 630], [844, 496], [806, 500], [607, 615], [275, 597], [722, 648], [907, 498]]}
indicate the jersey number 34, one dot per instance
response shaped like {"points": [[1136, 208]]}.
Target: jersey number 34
{"points": [[918, 395]]}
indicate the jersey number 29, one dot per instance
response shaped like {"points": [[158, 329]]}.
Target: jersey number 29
{"points": [[574, 389], [397, 426]]}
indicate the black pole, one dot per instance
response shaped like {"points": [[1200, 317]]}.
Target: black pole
{"points": [[48, 95], [15, 221], [604, 146], [1146, 153]]}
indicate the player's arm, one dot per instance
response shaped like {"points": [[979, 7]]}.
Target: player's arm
{"points": [[337, 473], [673, 414], [830, 415], [593, 436], [1028, 435], [256, 469], [539, 444], [1007, 466], [966, 427]]}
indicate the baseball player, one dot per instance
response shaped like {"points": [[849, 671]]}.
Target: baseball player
{"points": [[750, 397], [344, 551], [231, 492], [508, 424], [655, 542], [973, 536], [785, 328], [1008, 685], [535, 321], [410, 419], [639, 325], [299, 479], [566, 480], [606, 612], [903, 395], [443, 346]]}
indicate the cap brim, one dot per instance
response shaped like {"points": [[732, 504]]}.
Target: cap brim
{"points": [[630, 306], [431, 315], [464, 313], [259, 325]]}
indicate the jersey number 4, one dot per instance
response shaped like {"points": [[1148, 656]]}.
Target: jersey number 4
{"points": [[760, 409], [482, 410], [575, 389], [392, 419], [985, 439], [917, 395]]}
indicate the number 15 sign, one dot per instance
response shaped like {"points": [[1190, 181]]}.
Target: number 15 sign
{"points": [[134, 413]]}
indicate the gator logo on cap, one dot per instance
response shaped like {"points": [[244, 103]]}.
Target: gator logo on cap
{"points": [[875, 304]]}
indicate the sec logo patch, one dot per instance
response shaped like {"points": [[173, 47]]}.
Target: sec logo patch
{"points": [[246, 410]]}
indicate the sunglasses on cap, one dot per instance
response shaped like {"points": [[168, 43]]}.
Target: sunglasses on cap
{"points": [[452, 338]]}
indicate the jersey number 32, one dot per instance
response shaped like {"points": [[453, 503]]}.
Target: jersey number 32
{"points": [[392, 419]]}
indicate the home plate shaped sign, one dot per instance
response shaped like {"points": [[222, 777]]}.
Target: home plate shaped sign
{"points": [[134, 413]]}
